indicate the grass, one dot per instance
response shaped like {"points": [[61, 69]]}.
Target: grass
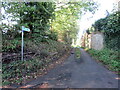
{"points": [[77, 53], [107, 57]]}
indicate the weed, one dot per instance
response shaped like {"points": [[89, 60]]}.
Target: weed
{"points": [[107, 57]]}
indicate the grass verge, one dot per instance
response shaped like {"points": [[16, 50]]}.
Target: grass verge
{"points": [[110, 58]]}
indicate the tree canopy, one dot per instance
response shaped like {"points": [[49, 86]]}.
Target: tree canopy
{"points": [[48, 18]]}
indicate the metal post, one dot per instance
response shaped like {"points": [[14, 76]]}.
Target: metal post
{"points": [[22, 46]]}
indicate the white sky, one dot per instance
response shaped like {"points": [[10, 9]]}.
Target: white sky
{"points": [[7, 21], [87, 21]]}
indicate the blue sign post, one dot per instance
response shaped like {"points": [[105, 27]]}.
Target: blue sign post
{"points": [[22, 45]]}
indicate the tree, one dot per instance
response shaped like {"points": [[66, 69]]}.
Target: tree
{"points": [[34, 15], [66, 17], [42, 16]]}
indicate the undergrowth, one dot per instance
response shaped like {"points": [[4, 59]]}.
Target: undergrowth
{"points": [[45, 52], [15, 71], [107, 57]]}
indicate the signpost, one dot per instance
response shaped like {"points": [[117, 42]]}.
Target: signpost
{"points": [[22, 45]]}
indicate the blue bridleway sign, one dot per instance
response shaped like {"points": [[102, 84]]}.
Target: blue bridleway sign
{"points": [[22, 45], [25, 29]]}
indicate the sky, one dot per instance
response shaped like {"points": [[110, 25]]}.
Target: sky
{"points": [[7, 21], [88, 19]]}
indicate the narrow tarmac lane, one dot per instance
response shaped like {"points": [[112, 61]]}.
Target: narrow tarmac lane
{"points": [[82, 73]]}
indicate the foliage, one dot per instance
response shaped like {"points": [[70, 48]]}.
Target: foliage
{"points": [[66, 16], [77, 53], [40, 17], [100, 24], [15, 70], [34, 15], [111, 28], [52, 35], [111, 58], [11, 45], [44, 53]]}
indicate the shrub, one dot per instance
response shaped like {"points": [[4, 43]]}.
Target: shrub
{"points": [[110, 25]]}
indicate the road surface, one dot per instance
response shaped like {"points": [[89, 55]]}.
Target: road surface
{"points": [[81, 73]]}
